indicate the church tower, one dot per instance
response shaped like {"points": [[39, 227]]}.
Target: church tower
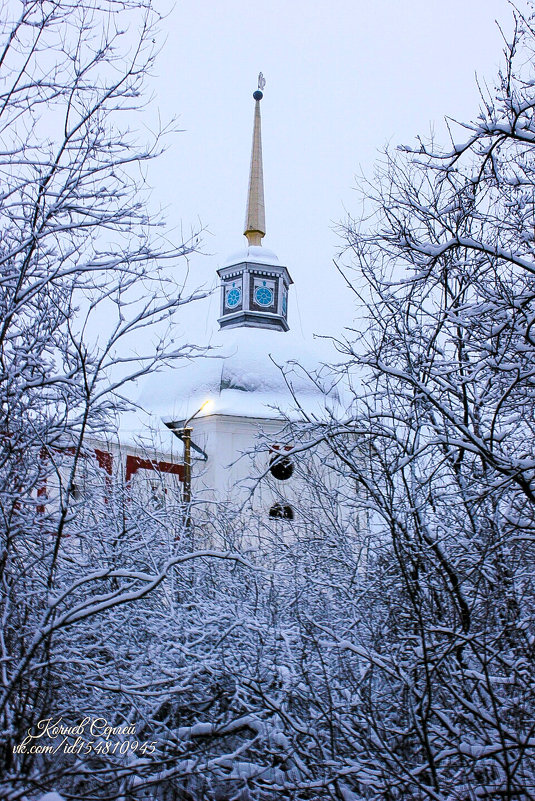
{"points": [[254, 285], [232, 406]]}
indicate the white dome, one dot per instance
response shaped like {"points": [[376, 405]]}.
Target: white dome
{"points": [[248, 372], [254, 254]]}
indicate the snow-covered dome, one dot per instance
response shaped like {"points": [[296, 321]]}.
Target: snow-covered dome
{"points": [[254, 254], [246, 372]]}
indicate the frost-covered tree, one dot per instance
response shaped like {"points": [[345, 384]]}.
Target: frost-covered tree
{"points": [[85, 270], [106, 610], [386, 653], [443, 267], [396, 662]]}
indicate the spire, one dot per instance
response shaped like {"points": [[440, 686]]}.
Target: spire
{"points": [[254, 285], [255, 221]]}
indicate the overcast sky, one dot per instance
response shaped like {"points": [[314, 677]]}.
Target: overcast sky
{"points": [[343, 79]]}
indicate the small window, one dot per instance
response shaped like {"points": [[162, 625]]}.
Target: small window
{"points": [[282, 512], [281, 467]]}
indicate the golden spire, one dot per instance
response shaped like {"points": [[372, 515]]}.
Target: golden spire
{"points": [[255, 220]]}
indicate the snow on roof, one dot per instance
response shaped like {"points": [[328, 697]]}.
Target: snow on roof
{"points": [[247, 372], [254, 254]]}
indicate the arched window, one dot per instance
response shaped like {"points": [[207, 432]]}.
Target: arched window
{"points": [[284, 512], [281, 467]]}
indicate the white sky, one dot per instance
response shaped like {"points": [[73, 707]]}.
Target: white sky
{"points": [[343, 79]]}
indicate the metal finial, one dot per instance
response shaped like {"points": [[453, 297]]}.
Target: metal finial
{"points": [[258, 93]]}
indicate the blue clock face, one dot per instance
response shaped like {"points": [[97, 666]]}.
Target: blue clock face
{"points": [[284, 304], [233, 297], [263, 295]]}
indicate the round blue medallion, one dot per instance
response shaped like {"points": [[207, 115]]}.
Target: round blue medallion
{"points": [[233, 297], [263, 295]]}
